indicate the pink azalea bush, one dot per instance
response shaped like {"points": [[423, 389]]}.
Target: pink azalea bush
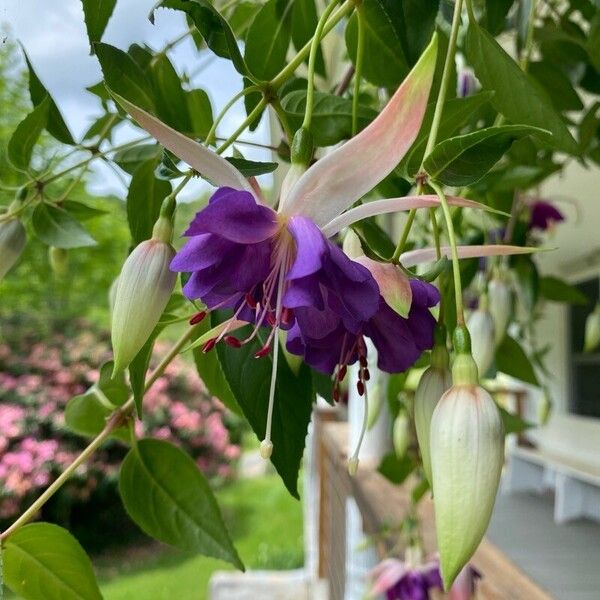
{"points": [[36, 382]]}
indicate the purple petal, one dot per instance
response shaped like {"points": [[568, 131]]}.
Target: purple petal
{"points": [[543, 215], [200, 252], [235, 215], [310, 247], [304, 292], [424, 294]]}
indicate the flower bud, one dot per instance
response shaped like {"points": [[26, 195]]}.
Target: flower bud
{"points": [[500, 306], [12, 242], [432, 385], [59, 261], [481, 328], [143, 290], [592, 330], [401, 434], [467, 453]]}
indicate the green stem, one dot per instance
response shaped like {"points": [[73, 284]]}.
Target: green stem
{"points": [[448, 64], [471, 12], [291, 67], [118, 418], [210, 138], [460, 315], [360, 50], [248, 121], [312, 58], [102, 154], [436, 233], [524, 62], [412, 213], [283, 119]]}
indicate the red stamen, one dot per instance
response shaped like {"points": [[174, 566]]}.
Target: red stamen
{"points": [[262, 352], [286, 316], [209, 345], [341, 372], [198, 317], [363, 361], [366, 375], [360, 386], [250, 301], [232, 341], [336, 394]]}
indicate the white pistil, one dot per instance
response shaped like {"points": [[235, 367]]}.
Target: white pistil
{"points": [[353, 460], [266, 446]]}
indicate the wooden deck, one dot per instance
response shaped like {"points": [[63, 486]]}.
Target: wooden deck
{"points": [[380, 502]]}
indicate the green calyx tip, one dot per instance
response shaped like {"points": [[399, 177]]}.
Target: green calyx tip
{"points": [[440, 358], [302, 147], [464, 370]]}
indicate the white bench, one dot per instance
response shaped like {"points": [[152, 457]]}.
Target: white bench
{"points": [[567, 461]]}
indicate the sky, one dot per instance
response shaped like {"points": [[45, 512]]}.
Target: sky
{"points": [[53, 33]]}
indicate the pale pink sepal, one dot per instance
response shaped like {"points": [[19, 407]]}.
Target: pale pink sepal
{"points": [[464, 585], [336, 181], [209, 165], [425, 255], [381, 207], [386, 574], [393, 284]]}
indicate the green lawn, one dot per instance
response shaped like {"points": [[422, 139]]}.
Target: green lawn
{"points": [[265, 523]]}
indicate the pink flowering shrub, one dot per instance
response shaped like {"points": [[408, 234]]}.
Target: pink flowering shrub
{"points": [[36, 382]]}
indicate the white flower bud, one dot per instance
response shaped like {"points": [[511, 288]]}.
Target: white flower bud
{"points": [[12, 242], [143, 290], [401, 434], [467, 453], [592, 330], [500, 306], [481, 328], [432, 385]]}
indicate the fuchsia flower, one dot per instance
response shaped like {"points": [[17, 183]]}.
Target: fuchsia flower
{"points": [[544, 215], [279, 269], [399, 580]]}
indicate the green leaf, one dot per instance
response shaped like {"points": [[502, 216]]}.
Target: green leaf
{"points": [[170, 99], [144, 200], [200, 110], [512, 360], [557, 85], [375, 242], [45, 562], [249, 380], [558, 290], [513, 423], [528, 280], [465, 159], [251, 168], [124, 76], [518, 97], [25, 136], [103, 125], [132, 158], [169, 499], [416, 25], [56, 125], [138, 367], [304, 24], [457, 112], [268, 39], [97, 14], [168, 167], [81, 211], [384, 61], [396, 469], [495, 13], [212, 27], [242, 16], [56, 227], [593, 41], [332, 116], [212, 375]]}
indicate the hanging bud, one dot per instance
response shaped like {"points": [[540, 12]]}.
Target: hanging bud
{"points": [[401, 434], [481, 328], [592, 330], [143, 290], [12, 242], [467, 453], [432, 385], [500, 306], [59, 261]]}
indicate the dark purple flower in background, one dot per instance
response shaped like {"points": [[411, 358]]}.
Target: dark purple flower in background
{"points": [[544, 215], [400, 581]]}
